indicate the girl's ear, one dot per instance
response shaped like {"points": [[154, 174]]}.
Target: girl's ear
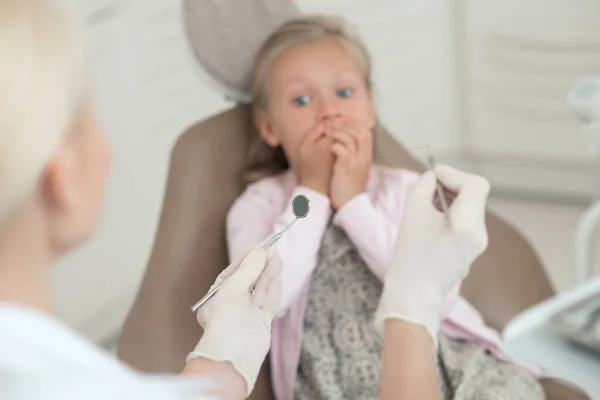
{"points": [[265, 126]]}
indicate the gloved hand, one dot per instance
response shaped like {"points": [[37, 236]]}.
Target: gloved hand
{"points": [[237, 320], [433, 254]]}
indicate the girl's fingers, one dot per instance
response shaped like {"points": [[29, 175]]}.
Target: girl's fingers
{"points": [[346, 139], [313, 135], [363, 138], [340, 150], [365, 144]]}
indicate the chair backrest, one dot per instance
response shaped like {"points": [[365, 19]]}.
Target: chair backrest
{"points": [[190, 248]]}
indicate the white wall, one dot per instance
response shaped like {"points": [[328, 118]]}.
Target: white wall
{"points": [[521, 59], [147, 91]]}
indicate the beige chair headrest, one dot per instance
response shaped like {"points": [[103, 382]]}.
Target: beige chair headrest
{"points": [[225, 35]]}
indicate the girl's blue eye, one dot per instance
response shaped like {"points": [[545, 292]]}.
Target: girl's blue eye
{"points": [[302, 100], [345, 92]]}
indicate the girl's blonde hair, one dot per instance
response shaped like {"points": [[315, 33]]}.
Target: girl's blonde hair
{"points": [[264, 160], [41, 88]]}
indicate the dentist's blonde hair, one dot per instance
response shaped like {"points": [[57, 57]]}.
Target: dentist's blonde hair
{"points": [[41, 91]]}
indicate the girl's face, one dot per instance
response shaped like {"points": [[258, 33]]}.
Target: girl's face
{"points": [[309, 84]]}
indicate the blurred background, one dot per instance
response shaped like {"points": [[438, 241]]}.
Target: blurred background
{"points": [[483, 82]]}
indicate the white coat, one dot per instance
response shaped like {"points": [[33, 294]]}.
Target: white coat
{"points": [[42, 359]]}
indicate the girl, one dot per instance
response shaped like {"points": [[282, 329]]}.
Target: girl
{"points": [[315, 115]]}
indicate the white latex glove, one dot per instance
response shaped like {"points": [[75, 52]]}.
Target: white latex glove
{"points": [[237, 320], [433, 254]]}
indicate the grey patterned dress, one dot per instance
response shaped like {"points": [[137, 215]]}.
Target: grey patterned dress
{"points": [[341, 352]]}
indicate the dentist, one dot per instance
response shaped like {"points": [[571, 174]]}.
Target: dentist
{"points": [[54, 161]]}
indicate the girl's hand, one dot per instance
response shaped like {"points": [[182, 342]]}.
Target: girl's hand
{"points": [[316, 160], [353, 148]]}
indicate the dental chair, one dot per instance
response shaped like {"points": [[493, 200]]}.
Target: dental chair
{"points": [[190, 249]]}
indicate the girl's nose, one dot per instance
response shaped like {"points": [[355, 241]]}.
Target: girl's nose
{"points": [[329, 109]]}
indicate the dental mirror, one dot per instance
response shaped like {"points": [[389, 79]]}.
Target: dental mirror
{"points": [[300, 208]]}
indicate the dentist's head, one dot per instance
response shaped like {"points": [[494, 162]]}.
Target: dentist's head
{"points": [[53, 156]]}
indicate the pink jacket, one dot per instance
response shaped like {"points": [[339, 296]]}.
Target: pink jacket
{"points": [[371, 222]]}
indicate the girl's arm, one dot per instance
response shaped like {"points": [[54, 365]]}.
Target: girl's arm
{"points": [[257, 215], [373, 228]]}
